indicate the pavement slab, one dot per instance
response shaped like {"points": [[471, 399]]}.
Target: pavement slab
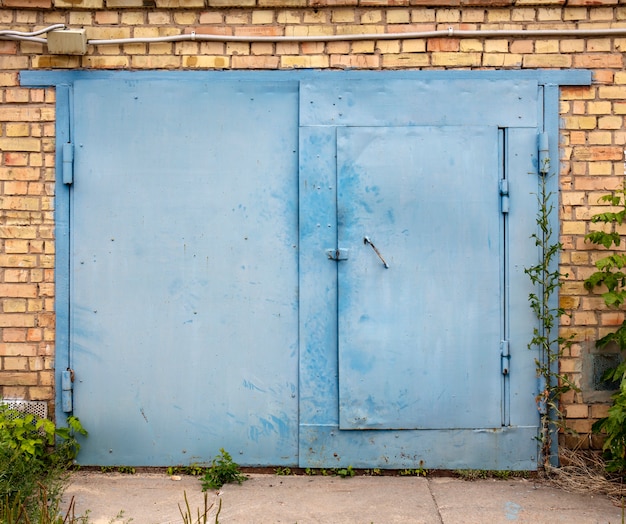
{"points": [[153, 498]]}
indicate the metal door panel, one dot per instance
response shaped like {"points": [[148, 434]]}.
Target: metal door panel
{"points": [[434, 102], [184, 304], [419, 342], [318, 276], [523, 180]]}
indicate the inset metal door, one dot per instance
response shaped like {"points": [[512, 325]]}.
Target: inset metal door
{"points": [[421, 310]]}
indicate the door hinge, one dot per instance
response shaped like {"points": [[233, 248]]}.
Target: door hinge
{"points": [[505, 357], [504, 195], [67, 388], [337, 254], [543, 145], [68, 163]]}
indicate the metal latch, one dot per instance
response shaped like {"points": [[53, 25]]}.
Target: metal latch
{"points": [[337, 254]]}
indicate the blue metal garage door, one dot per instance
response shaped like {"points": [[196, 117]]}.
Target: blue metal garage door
{"points": [[415, 326], [184, 283], [305, 269]]}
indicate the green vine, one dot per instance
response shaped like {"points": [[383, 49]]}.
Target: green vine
{"points": [[610, 274], [546, 339]]}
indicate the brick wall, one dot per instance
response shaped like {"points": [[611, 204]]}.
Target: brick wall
{"points": [[593, 135]]}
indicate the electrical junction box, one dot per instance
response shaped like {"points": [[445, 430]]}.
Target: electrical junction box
{"points": [[67, 42]]}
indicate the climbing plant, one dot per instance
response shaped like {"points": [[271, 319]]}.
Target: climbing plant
{"points": [[546, 279], [610, 274]]}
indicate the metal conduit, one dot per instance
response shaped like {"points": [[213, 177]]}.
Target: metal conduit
{"points": [[450, 32]]}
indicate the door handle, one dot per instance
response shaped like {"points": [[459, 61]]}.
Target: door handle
{"points": [[366, 241]]}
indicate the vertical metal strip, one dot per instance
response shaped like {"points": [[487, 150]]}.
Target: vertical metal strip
{"points": [[551, 130], [504, 277], [62, 236]]}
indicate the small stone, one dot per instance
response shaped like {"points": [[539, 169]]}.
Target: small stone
{"points": [[176, 477]]}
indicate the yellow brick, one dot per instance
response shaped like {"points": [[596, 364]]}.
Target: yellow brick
{"points": [[287, 48], [605, 13], [134, 49], [577, 411], [546, 46], [28, 232], [55, 61], [311, 17], [13, 62], [41, 393], [108, 33], [262, 17], [405, 60], [502, 60], [398, 16], [80, 4], [262, 48], [448, 15], [547, 14], [599, 45], [17, 320], [612, 92], [124, 3], [619, 108], [173, 4], [498, 15], [160, 48], [15, 378], [339, 16], [600, 138], [470, 44], [599, 108], [133, 18], [309, 30], [575, 13], [354, 61], [20, 203], [456, 59], [185, 18], [15, 363], [16, 246], [14, 305], [372, 17], [523, 15], [288, 17], [572, 46], [14, 130], [620, 77], [413, 46], [610, 122], [497, 46], [364, 46], [106, 62], [423, 15], [573, 228], [236, 18], [309, 61], [547, 60], [389, 46], [156, 62], [600, 168], [237, 48], [359, 29], [337, 48]]}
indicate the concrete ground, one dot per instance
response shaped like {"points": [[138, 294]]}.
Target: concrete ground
{"points": [[153, 498]]}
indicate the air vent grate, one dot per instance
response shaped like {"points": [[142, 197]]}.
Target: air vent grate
{"points": [[28, 407]]}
